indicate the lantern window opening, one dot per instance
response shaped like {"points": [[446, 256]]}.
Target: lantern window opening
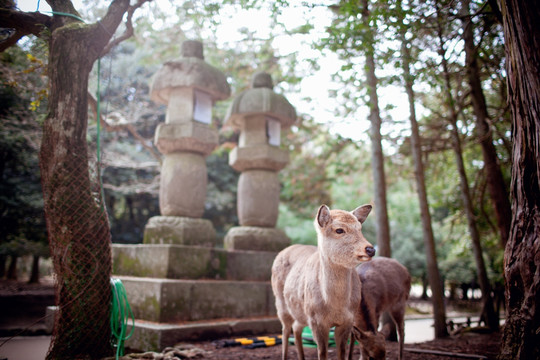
{"points": [[273, 131], [202, 107]]}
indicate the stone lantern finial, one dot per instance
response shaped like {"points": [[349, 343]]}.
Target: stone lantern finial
{"points": [[192, 48], [262, 80]]}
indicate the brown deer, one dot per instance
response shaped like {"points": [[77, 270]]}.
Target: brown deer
{"points": [[317, 286], [385, 288]]}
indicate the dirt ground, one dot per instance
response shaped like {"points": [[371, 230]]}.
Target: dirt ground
{"points": [[471, 344]]}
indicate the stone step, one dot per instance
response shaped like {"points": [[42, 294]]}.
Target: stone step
{"points": [[150, 336], [171, 300], [191, 262]]}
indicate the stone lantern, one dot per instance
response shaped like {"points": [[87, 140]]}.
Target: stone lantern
{"points": [[260, 114], [189, 87]]}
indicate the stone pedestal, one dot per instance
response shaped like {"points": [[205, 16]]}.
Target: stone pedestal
{"points": [[179, 231]]}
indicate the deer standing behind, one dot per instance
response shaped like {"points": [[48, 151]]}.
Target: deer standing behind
{"points": [[317, 286], [385, 288]]}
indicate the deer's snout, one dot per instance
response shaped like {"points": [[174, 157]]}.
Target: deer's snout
{"points": [[366, 254]]}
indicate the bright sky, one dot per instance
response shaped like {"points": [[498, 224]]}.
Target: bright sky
{"points": [[317, 84]]}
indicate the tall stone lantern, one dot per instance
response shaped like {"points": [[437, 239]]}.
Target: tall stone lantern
{"points": [[189, 87], [260, 114]]}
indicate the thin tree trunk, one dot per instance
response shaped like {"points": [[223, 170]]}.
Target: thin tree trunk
{"points": [[377, 156], [425, 283], [12, 267], [496, 185], [2, 266], [521, 338], [377, 160], [488, 311], [34, 272], [439, 313]]}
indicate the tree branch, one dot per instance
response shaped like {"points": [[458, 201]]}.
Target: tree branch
{"points": [[64, 6], [12, 39], [129, 28], [24, 23], [92, 102]]}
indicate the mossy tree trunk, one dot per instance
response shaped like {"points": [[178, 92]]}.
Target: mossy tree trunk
{"points": [[77, 223], [521, 337]]}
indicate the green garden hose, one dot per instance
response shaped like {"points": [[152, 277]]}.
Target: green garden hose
{"points": [[120, 315]]}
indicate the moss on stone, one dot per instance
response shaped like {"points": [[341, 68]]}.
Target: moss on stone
{"points": [[149, 309], [128, 265]]}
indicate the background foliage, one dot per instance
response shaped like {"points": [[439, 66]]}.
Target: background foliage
{"points": [[327, 166]]}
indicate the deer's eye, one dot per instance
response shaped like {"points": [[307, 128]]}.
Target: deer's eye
{"points": [[340, 231]]}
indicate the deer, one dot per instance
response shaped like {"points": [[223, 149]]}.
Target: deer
{"points": [[385, 288], [317, 286]]}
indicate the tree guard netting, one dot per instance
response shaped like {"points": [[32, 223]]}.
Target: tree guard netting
{"points": [[79, 239]]}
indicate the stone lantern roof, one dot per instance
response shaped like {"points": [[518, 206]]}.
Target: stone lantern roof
{"points": [[191, 71], [260, 99]]}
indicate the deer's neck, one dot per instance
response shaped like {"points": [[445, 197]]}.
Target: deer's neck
{"points": [[335, 282]]}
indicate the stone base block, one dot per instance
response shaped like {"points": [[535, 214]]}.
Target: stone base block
{"points": [[170, 301], [149, 336], [256, 238], [180, 230], [191, 262]]}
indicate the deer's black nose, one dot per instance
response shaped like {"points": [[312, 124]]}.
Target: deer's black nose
{"points": [[370, 250]]}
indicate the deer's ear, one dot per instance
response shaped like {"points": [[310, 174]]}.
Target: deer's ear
{"points": [[360, 334], [362, 212], [323, 216]]}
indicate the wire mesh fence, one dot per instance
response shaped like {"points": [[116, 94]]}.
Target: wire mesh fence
{"points": [[80, 245]]}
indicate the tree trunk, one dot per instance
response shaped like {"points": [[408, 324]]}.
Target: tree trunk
{"points": [[77, 222], [488, 311], [2, 266], [34, 272], [521, 338], [12, 268], [496, 185], [425, 284], [377, 156], [377, 161], [437, 289]]}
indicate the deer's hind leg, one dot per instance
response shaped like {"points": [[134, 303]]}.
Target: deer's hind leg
{"points": [[342, 334], [398, 315], [286, 323], [297, 330], [321, 334]]}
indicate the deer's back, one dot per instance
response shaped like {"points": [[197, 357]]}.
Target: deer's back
{"points": [[385, 284]]}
